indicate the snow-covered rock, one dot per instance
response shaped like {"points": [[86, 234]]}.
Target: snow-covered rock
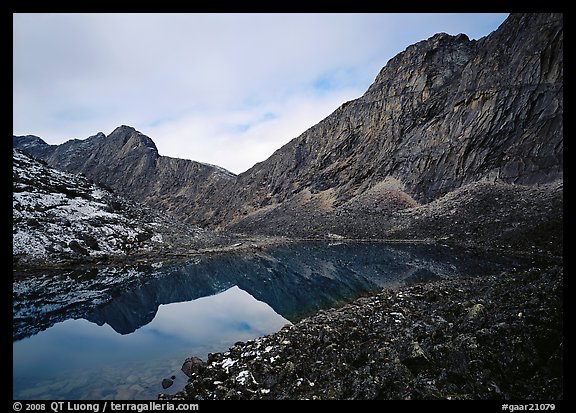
{"points": [[61, 217]]}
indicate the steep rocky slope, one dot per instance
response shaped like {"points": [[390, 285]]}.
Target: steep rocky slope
{"points": [[60, 218], [492, 215], [445, 113]]}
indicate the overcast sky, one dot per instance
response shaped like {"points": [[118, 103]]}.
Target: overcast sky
{"points": [[226, 89]]}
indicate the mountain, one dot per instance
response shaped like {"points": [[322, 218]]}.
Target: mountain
{"points": [[446, 112], [128, 162], [61, 218], [447, 117]]}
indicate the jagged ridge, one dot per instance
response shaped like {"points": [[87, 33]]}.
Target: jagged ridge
{"points": [[128, 162], [445, 112]]}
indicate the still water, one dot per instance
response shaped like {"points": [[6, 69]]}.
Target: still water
{"points": [[77, 359], [116, 332]]}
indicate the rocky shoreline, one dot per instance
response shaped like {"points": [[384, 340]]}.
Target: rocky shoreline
{"points": [[497, 337]]}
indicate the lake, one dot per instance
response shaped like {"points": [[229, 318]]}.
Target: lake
{"points": [[116, 332]]}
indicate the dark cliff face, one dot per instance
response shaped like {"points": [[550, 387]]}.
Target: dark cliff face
{"points": [[446, 112]]}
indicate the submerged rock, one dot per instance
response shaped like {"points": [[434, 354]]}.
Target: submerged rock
{"points": [[193, 365]]}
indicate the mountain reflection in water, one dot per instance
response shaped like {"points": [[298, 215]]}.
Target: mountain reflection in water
{"points": [[295, 280], [115, 332]]}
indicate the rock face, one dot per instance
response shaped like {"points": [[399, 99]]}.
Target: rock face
{"points": [[193, 365], [445, 113]]}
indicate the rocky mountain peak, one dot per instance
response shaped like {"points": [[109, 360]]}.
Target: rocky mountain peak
{"points": [[27, 141], [127, 139], [60, 218], [124, 129], [128, 162], [423, 68], [446, 112]]}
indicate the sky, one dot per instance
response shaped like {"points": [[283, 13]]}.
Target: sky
{"points": [[224, 89]]}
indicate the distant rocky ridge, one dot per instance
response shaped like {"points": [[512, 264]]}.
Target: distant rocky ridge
{"points": [[128, 162], [447, 113]]}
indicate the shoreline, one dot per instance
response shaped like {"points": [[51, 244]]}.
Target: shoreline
{"points": [[250, 371], [250, 244], [494, 337]]}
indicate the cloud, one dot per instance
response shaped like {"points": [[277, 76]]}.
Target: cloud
{"points": [[239, 138], [227, 89]]}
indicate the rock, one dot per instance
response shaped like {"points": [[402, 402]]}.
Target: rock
{"points": [[62, 218], [193, 365], [422, 275], [436, 118], [33, 223], [475, 311], [417, 360], [90, 241], [128, 162], [76, 247], [167, 383]]}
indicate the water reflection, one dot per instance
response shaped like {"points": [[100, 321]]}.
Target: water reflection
{"points": [[165, 313], [295, 281], [54, 363]]}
